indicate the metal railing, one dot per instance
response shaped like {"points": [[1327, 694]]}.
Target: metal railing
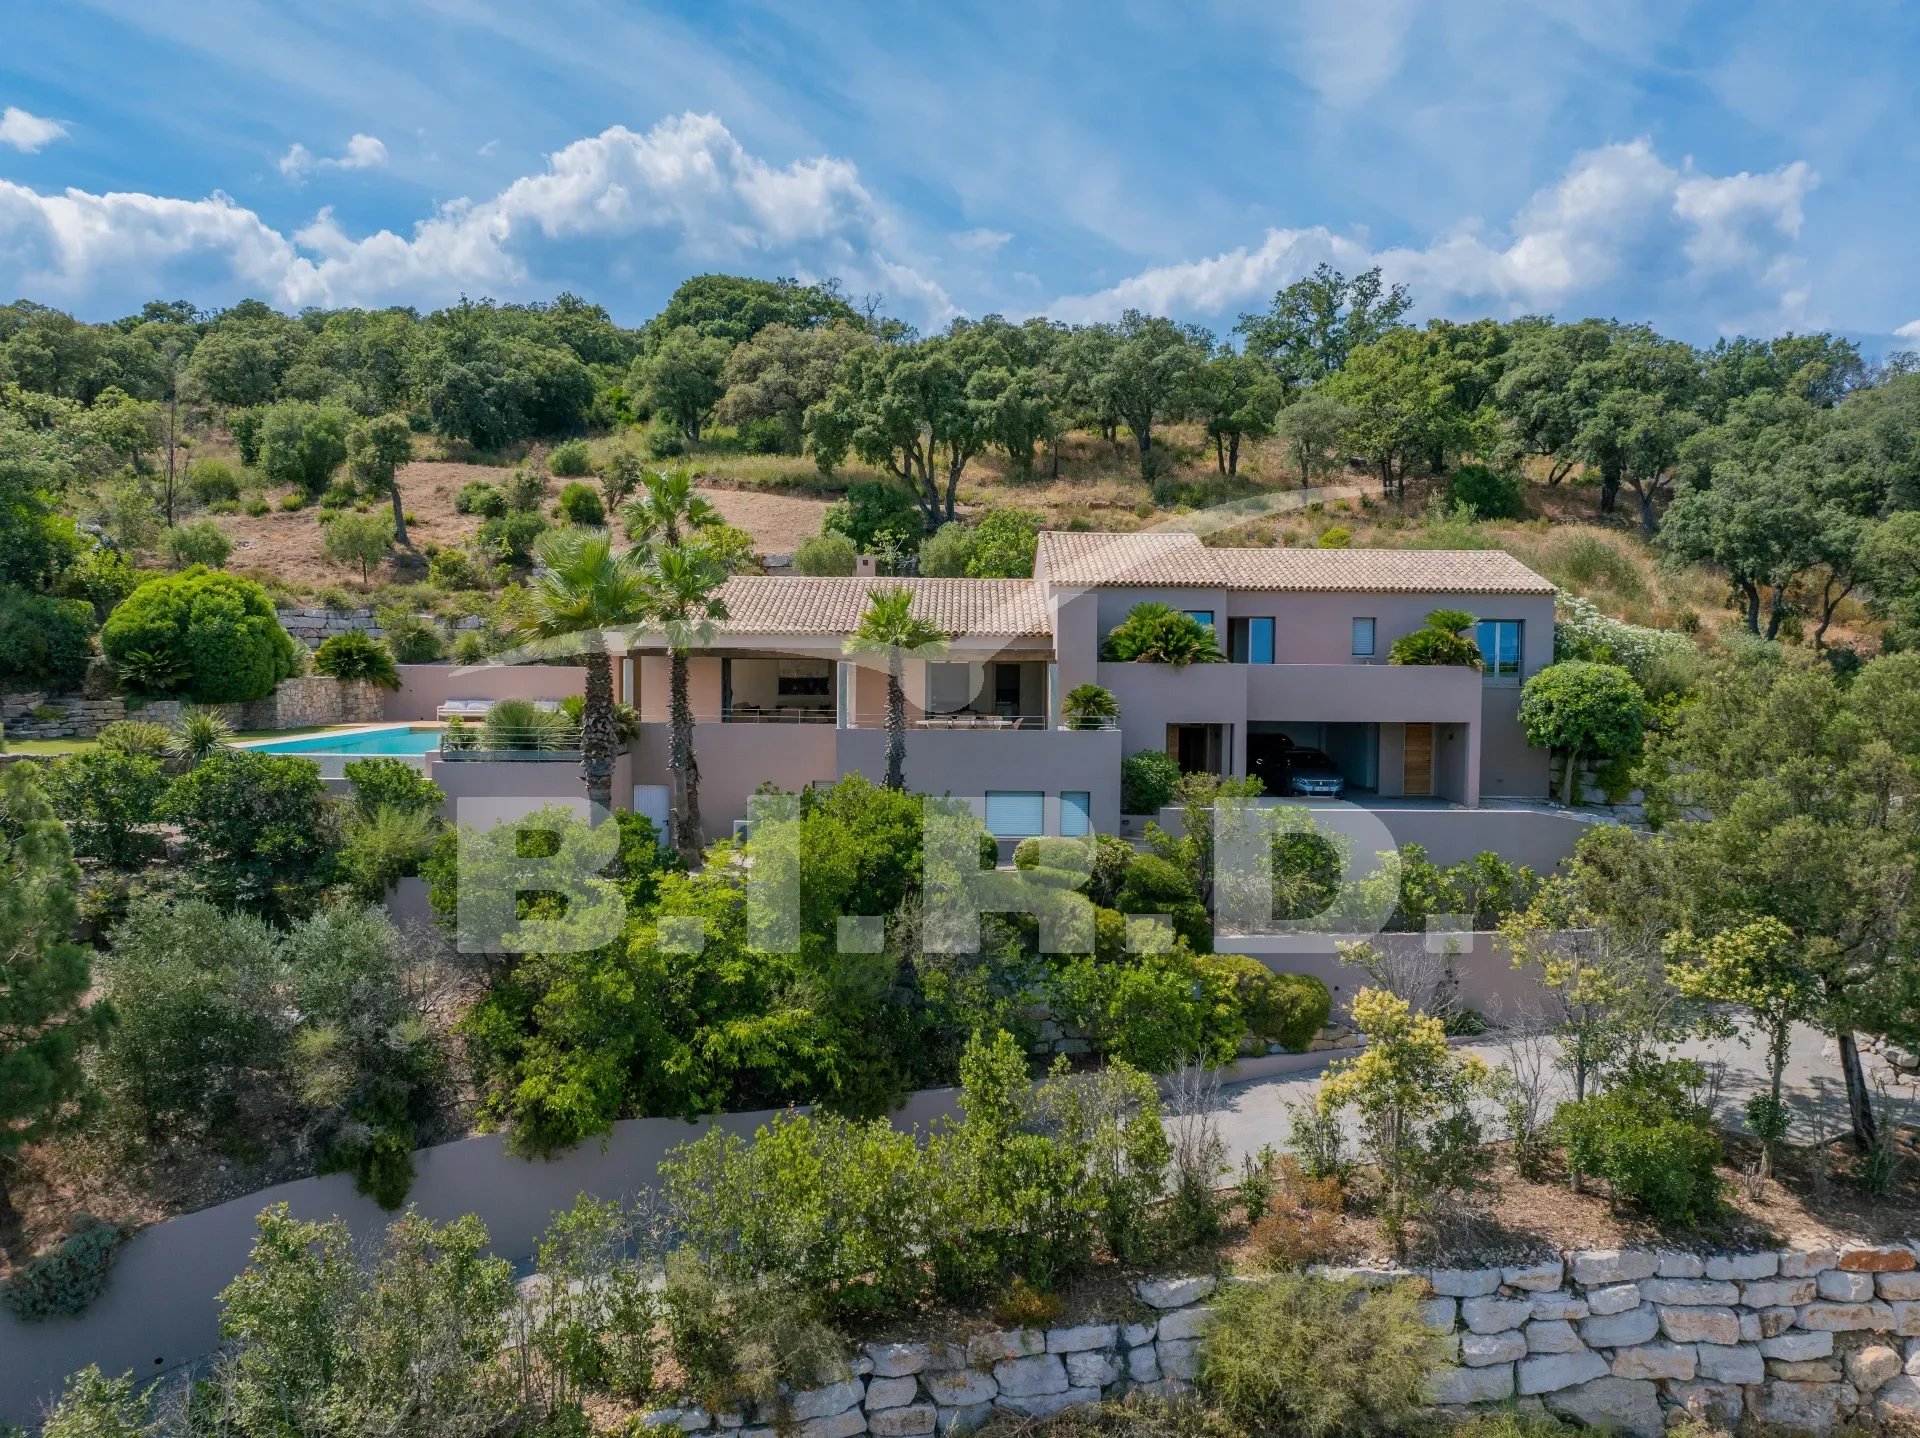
{"points": [[970, 720], [557, 738], [777, 714]]}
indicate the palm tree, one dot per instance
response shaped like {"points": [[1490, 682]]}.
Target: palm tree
{"points": [[889, 627], [585, 596], [667, 511], [683, 599]]}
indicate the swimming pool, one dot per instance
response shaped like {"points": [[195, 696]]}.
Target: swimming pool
{"points": [[361, 741]]}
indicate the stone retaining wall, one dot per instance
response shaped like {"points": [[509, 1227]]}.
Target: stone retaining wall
{"points": [[1624, 1339], [299, 703], [313, 627]]}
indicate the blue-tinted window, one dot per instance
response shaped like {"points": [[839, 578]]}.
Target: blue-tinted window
{"points": [[1363, 638], [1250, 641], [1205, 616], [1016, 813], [1499, 641], [1076, 813]]}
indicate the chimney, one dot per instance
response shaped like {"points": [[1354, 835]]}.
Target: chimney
{"points": [[865, 566]]}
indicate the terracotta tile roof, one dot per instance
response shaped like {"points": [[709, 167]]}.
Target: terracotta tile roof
{"points": [[772, 604], [1171, 558], [1380, 571], [1157, 557]]}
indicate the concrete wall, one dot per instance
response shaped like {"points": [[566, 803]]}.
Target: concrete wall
{"points": [[476, 783], [1539, 838], [1482, 969], [966, 763], [425, 687]]}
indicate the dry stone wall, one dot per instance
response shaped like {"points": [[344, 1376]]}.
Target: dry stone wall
{"points": [[298, 703], [313, 627], [1628, 1339]]}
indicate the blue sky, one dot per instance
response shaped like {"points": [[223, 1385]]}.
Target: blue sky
{"points": [[1713, 169]]}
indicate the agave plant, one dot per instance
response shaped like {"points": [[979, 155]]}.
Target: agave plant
{"points": [[198, 733]]}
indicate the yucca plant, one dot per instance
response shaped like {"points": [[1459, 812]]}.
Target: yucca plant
{"points": [[138, 737], [198, 733]]}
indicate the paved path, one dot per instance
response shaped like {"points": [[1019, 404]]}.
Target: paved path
{"points": [[1254, 1113]]}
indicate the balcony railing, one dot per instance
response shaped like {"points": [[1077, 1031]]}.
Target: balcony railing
{"points": [[554, 738], [971, 720], [777, 714]]}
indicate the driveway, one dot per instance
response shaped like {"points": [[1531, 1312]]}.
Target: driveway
{"points": [[1254, 1113]]}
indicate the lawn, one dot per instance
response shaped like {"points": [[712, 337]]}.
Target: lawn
{"points": [[53, 748]]}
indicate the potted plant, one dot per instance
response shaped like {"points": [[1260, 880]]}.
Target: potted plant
{"points": [[1090, 706]]}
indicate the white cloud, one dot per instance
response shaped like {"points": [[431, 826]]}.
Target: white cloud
{"points": [[488, 150], [1617, 209], [687, 182], [363, 152], [28, 133], [985, 242], [1909, 331]]}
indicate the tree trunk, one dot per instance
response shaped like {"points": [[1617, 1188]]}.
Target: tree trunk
{"points": [[1609, 485], [598, 740], [173, 429], [1750, 595], [1776, 609], [399, 513], [683, 770], [896, 723], [1829, 606], [1649, 521], [1233, 455], [1220, 453], [1866, 1127], [1568, 795]]}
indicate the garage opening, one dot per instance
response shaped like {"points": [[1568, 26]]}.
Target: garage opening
{"points": [[1274, 745]]}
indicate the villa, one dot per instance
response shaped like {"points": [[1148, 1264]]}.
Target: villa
{"points": [[1306, 633]]}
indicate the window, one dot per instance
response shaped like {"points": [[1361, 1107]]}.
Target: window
{"points": [[949, 687], [1250, 641], [1015, 813], [1204, 616], [1076, 813], [1499, 641], [1363, 639]]}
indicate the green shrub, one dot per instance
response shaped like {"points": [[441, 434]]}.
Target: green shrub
{"points": [[946, 552], [571, 459], [107, 798], [1044, 853], [523, 724], [65, 1282], [258, 506], [356, 654], [1336, 536], [478, 497], [1285, 1009], [663, 439], [1147, 781], [1488, 493], [201, 542], [580, 504], [196, 734], [413, 639], [212, 481], [1649, 1142], [212, 636], [293, 502], [510, 537], [44, 643], [1157, 1012], [456, 569], [260, 829], [1004, 541], [384, 847], [879, 517], [1089, 706], [339, 495], [1301, 1355], [96, 1406], [388, 783], [102, 576], [828, 553]]}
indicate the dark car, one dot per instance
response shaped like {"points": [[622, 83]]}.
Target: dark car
{"points": [[1311, 774]]}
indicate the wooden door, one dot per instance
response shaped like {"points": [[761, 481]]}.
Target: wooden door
{"points": [[1417, 766]]}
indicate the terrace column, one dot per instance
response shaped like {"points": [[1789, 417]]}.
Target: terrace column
{"points": [[843, 698], [1053, 695]]}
